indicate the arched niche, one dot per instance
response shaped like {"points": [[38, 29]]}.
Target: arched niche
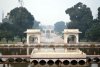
{"points": [[33, 39], [33, 34], [71, 39], [48, 32], [71, 36]]}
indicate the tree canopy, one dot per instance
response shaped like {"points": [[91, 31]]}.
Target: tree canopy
{"points": [[59, 26], [7, 31], [16, 23], [21, 17], [81, 18], [93, 34]]}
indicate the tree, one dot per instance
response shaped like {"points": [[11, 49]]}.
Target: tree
{"points": [[59, 26], [93, 34], [99, 13], [36, 24], [7, 31], [81, 18], [21, 19]]}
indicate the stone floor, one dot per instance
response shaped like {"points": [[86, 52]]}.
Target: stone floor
{"points": [[57, 53]]}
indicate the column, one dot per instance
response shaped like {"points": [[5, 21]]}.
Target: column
{"points": [[65, 38], [27, 50], [39, 38], [27, 43], [27, 39], [77, 38]]}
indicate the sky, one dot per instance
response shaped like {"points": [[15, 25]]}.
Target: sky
{"points": [[48, 12]]}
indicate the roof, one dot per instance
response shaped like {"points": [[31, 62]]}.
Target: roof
{"points": [[32, 31], [71, 31]]}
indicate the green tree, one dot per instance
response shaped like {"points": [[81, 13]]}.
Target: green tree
{"points": [[99, 13], [59, 26], [7, 31], [81, 18], [36, 24], [21, 19], [93, 34]]}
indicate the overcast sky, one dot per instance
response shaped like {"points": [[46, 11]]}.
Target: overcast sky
{"points": [[48, 12]]}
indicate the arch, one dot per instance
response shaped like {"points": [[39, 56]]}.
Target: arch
{"points": [[89, 60], [42, 62], [33, 39], [65, 62], [33, 32], [96, 59], [18, 59], [10, 59], [35, 62], [26, 60], [81, 62], [57, 62], [73, 62], [50, 62], [71, 39], [69, 32], [48, 31]]}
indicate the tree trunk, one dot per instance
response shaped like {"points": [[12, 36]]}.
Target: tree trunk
{"points": [[7, 40], [21, 39]]}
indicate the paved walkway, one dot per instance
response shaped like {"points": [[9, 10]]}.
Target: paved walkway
{"points": [[53, 38]]}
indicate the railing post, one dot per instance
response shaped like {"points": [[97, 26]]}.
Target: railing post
{"points": [[27, 50]]}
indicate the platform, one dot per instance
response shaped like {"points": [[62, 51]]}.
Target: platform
{"points": [[57, 54]]}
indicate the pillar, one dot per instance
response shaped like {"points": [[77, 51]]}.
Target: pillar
{"points": [[27, 39], [65, 38], [27, 50], [27, 44], [39, 39], [77, 38]]}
